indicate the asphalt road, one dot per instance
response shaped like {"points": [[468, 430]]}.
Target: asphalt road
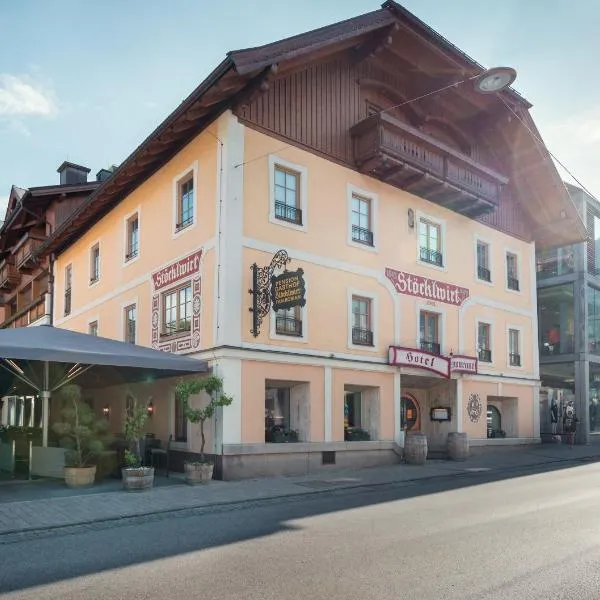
{"points": [[529, 537]]}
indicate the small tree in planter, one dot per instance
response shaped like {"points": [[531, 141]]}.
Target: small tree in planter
{"points": [[136, 476], [201, 471], [83, 435]]}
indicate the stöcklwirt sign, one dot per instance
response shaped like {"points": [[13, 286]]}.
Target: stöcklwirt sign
{"points": [[426, 288]]}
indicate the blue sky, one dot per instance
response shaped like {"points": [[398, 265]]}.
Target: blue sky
{"points": [[87, 81]]}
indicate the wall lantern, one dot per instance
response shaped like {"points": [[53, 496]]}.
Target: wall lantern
{"points": [[150, 409], [411, 218], [106, 411]]}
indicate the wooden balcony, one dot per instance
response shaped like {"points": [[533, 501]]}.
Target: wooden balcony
{"points": [[25, 252], [409, 159], [30, 314], [9, 276]]}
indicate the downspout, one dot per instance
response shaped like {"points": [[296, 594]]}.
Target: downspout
{"points": [[50, 303]]}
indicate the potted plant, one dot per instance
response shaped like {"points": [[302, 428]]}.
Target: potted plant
{"points": [[284, 436], [136, 476], [201, 471], [356, 434], [83, 435]]}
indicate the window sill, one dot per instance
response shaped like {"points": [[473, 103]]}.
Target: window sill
{"points": [[181, 229], [167, 337], [285, 223], [130, 259], [362, 245], [94, 282], [431, 265]]}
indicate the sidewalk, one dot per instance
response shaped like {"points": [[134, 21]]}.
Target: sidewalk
{"points": [[30, 506]]}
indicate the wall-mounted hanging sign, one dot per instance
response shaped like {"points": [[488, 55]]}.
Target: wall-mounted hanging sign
{"points": [[440, 413], [288, 290], [463, 364], [426, 288], [418, 359]]}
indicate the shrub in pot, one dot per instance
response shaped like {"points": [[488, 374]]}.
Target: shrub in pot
{"points": [[201, 471], [136, 476], [83, 435], [284, 436], [356, 434]]}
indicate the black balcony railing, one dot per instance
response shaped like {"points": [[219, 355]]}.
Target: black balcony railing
{"points": [[362, 337], [485, 355], [67, 301], [433, 347], [288, 326], [285, 212], [431, 256], [362, 236], [514, 359], [513, 283], [484, 274]]}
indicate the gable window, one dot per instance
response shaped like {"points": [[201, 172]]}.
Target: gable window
{"points": [[429, 332], [361, 220], [430, 243], [177, 310], [362, 326], [483, 261], [484, 347], [185, 202], [130, 324], [95, 263], [287, 195], [133, 237], [514, 356], [93, 328], [512, 271], [68, 284], [289, 322]]}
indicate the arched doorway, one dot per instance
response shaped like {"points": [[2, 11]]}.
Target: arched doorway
{"points": [[410, 414], [494, 421]]}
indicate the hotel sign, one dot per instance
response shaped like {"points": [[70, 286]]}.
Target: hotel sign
{"points": [[409, 357], [426, 288], [186, 267], [441, 365], [288, 290]]}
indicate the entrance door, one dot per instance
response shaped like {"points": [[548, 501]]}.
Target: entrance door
{"points": [[409, 413]]}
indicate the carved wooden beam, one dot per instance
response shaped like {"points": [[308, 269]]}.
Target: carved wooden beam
{"points": [[375, 45], [258, 86]]}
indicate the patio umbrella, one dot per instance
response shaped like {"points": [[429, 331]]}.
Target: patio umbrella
{"points": [[46, 358]]}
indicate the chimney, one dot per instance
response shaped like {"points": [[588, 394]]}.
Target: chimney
{"points": [[71, 173], [104, 174]]}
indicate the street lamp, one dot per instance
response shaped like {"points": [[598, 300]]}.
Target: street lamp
{"points": [[495, 80]]}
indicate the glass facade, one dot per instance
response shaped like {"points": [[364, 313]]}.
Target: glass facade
{"points": [[555, 262], [556, 317], [593, 299]]}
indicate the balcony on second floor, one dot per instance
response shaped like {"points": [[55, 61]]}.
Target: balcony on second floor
{"points": [[407, 158], [9, 276], [25, 250]]}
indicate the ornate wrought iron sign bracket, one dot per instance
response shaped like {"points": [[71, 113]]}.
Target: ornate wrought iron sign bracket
{"points": [[261, 288]]}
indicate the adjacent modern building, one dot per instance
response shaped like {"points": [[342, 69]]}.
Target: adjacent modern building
{"points": [[568, 280], [353, 262]]}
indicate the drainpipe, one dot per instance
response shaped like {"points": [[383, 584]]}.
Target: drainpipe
{"points": [[51, 290]]}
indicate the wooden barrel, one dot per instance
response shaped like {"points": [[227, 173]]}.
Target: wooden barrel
{"points": [[458, 446], [415, 448]]}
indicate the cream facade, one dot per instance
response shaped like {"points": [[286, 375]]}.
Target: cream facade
{"points": [[326, 380]]}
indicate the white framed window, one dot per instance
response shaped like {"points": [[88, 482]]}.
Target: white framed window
{"points": [[287, 194], [362, 320], [185, 192], [132, 237], [484, 341], [289, 324], [431, 241], [130, 323], [512, 265], [68, 288], [95, 263], [483, 253], [515, 346], [93, 327], [431, 328], [176, 304], [363, 209], [179, 426]]}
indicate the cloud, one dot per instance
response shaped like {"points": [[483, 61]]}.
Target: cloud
{"points": [[22, 96], [3, 205]]}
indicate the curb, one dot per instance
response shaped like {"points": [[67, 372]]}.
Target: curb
{"points": [[224, 506]]}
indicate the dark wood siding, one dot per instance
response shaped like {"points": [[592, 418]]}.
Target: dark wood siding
{"points": [[316, 107]]}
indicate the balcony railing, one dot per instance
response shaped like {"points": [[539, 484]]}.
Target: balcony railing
{"points": [[433, 347], [513, 283], [9, 276], [514, 359], [28, 315], [431, 256], [484, 274], [288, 213], [67, 310], [485, 355], [25, 252], [406, 157], [362, 337], [362, 236], [288, 326]]}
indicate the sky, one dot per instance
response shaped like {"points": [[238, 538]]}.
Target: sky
{"points": [[88, 81]]}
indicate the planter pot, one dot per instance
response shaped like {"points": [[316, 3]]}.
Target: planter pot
{"points": [[196, 473], [138, 479], [79, 476]]}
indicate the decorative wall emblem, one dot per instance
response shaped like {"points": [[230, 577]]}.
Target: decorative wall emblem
{"points": [[172, 276], [474, 407]]}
